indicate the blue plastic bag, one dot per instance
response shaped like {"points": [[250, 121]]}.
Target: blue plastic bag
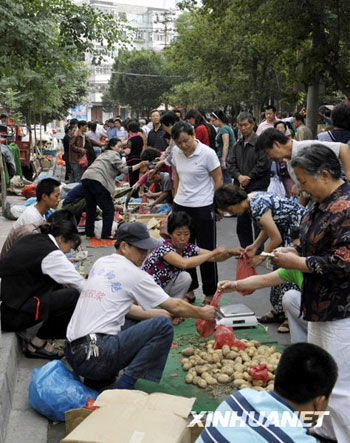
{"points": [[54, 389]]}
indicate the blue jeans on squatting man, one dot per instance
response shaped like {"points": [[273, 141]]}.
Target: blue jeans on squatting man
{"points": [[141, 347]]}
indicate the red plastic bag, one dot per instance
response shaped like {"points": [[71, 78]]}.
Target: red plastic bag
{"points": [[259, 372], [206, 328], [244, 271], [29, 191], [83, 162], [225, 336]]}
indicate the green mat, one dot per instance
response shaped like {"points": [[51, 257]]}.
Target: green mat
{"points": [[173, 380]]}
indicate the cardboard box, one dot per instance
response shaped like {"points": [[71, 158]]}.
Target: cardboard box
{"points": [[132, 417]]}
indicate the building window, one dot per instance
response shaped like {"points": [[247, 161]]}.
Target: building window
{"points": [[122, 15], [139, 35]]}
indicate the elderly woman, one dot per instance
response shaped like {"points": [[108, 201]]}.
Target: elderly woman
{"points": [[197, 174], [275, 215], [324, 258]]}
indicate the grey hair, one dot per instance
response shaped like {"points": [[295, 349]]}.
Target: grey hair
{"points": [[245, 116], [316, 158]]}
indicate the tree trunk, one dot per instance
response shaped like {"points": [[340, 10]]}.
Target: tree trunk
{"points": [[3, 184], [312, 107]]}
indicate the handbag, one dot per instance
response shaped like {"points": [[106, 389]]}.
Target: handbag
{"points": [[83, 162]]}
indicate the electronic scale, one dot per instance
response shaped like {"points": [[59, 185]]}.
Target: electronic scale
{"points": [[236, 315]]}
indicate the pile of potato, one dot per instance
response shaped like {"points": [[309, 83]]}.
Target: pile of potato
{"points": [[230, 365]]}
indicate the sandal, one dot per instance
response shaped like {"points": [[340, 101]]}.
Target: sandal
{"points": [[41, 352], [284, 328], [190, 297], [272, 317]]}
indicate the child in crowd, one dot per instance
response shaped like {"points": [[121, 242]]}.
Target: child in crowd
{"points": [[167, 264]]}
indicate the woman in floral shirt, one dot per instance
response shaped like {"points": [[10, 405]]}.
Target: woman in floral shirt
{"points": [[167, 264], [275, 215], [324, 258]]}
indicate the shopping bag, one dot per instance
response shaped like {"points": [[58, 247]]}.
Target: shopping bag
{"points": [[54, 389], [226, 336], [206, 328], [83, 162], [276, 186], [244, 271]]}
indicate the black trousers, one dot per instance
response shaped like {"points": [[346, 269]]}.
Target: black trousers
{"points": [[204, 235], [55, 311], [247, 229]]}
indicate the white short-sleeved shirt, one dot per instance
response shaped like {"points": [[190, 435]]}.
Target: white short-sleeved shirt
{"points": [[30, 215], [114, 284], [298, 146], [196, 186]]}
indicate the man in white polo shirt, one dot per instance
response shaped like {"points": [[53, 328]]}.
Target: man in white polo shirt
{"points": [[101, 341], [279, 147], [197, 174]]}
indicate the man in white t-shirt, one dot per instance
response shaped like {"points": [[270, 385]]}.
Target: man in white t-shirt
{"points": [[101, 341], [48, 197], [279, 147]]}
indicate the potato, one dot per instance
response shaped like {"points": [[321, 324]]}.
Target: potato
{"points": [[209, 379], [185, 360], [227, 362], [237, 374], [231, 355], [235, 348], [245, 356], [225, 350], [227, 370], [196, 380], [257, 382], [201, 369], [276, 355], [187, 352], [202, 383], [211, 342], [192, 371], [186, 366], [238, 360], [215, 357], [238, 368], [251, 352], [238, 382], [247, 377], [203, 355], [189, 378], [270, 367], [258, 388], [219, 365], [272, 376], [223, 378], [272, 349], [263, 350], [269, 388]]}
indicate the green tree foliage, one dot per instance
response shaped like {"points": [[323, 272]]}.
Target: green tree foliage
{"points": [[139, 79], [251, 52], [44, 45]]}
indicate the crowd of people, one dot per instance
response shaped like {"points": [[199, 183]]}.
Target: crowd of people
{"points": [[290, 195]]}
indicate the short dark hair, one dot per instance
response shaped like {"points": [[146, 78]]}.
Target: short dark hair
{"points": [[270, 107], [178, 220], [220, 115], [268, 137], [110, 121], [179, 127], [280, 122], [92, 126], [299, 117], [227, 195], [150, 154], [74, 121], [340, 116], [305, 371], [198, 118], [62, 215], [155, 110], [3, 116], [112, 142], [133, 126], [46, 186], [316, 158], [65, 228], [82, 123], [169, 118]]}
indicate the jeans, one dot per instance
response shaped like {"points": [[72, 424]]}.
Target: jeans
{"points": [[76, 172], [96, 194], [142, 347], [227, 179]]}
